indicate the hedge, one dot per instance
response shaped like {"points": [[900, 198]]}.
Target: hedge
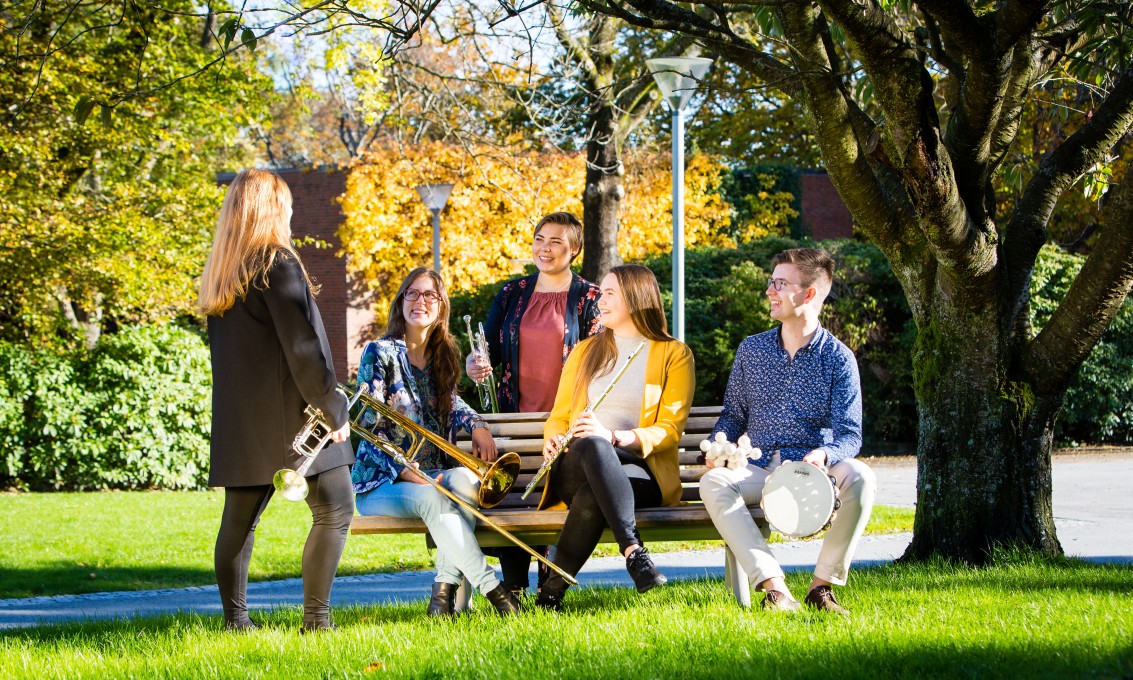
{"points": [[133, 413], [725, 302]]}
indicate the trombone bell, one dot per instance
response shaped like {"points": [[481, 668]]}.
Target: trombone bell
{"points": [[290, 484]]}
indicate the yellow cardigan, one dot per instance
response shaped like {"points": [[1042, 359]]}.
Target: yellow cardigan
{"points": [[670, 380]]}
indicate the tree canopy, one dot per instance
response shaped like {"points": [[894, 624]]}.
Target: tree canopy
{"points": [[106, 208]]}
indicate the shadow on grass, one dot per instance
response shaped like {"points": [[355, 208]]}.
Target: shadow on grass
{"points": [[72, 579]]}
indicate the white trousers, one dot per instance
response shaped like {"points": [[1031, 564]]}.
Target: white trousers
{"points": [[727, 493]]}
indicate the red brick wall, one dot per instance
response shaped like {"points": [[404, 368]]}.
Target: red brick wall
{"points": [[316, 213], [824, 216]]}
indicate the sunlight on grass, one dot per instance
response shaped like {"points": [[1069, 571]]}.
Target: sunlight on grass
{"points": [[96, 542], [1023, 618]]}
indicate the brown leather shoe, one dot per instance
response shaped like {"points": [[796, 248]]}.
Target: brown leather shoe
{"points": [[822, 599], [776, 601]]}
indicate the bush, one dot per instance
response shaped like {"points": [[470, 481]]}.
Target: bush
{"points": [[867, 310], [132, 413], [1099, 401]]}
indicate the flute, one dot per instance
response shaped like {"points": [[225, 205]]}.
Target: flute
{"points": [[542, 471]]}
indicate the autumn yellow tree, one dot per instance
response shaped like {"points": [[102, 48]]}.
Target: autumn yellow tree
{"points": [[495, 204]]}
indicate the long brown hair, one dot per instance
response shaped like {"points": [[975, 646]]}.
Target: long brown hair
{"points": [[253, 227], [440, 347], [643, 299]]}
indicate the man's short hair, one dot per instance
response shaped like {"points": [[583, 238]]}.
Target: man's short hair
{"points": [[815, 265]]}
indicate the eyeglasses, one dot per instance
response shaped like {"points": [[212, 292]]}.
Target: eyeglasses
{"points": [[778, 284], [431, 298]]}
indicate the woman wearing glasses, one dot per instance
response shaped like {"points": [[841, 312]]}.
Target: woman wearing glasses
{"points": [[532, 319], [414, 368]]}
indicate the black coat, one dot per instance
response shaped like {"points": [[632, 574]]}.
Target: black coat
{"points": [[270, 358]]}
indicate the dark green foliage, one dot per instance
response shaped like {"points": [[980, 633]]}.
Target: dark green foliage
{"points": [[1099, 402], [134, 412], [726, 302]]}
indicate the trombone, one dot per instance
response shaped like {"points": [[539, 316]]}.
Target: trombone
{"points": [[495, 479]]}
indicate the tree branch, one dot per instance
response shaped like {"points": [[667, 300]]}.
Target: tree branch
{"points": [[1026, 232], [1095, 297]]}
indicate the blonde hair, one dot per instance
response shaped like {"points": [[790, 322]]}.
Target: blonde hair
{"points": [[253, 227], [643, 300]]}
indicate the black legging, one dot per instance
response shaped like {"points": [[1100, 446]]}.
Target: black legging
{"points": [[331, 500], [602, 486]]}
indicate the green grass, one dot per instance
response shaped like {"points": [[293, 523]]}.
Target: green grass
{"points": [[69, 543], [1023, 618]]}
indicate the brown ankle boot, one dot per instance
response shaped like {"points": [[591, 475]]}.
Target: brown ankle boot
{"points": [[441, 603], [505, 601]]}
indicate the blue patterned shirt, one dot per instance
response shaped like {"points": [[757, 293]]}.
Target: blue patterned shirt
{"points": [[385, 368], [794, 405]]}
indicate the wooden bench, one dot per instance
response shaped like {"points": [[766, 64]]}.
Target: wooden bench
{"points": [[522, 433]]}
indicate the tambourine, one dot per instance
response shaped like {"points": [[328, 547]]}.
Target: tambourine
{"points": [[799, 499]]}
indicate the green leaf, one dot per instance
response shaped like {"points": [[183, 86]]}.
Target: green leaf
{"points": [[106, 111], [83, 110], [248, 38]]}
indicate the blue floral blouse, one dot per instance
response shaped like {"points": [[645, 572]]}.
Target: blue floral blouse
{"points": [[386, 370]]}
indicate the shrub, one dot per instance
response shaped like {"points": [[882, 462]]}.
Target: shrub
{"points": [[1099, 402], [867, 310], [134, 412]]}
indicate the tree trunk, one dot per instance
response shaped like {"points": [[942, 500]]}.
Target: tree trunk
{"points": [[602, 200], [983, 457]]}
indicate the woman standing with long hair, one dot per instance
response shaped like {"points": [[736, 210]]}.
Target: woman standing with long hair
{"points": [[623, 454], [270, 359], [414, 369], [531, 320]]}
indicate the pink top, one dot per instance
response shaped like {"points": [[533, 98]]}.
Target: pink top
{"points": [[541, 332]]}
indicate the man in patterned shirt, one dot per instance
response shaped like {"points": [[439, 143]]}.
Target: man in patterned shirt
{"points": [[794, 390]]}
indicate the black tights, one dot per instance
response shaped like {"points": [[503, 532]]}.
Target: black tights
{"points": [[331, 500], [602, 486]]}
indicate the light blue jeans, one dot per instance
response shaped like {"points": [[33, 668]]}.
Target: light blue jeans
{"points": [[449, 524]]}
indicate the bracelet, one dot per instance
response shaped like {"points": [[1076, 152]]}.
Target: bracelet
{"points": [[478, 423]]}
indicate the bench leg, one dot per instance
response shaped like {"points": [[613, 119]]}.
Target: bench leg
{"points": [[463, 599], [736, 578]]}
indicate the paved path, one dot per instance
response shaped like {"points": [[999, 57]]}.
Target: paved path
{"points": [[1093, 501]]}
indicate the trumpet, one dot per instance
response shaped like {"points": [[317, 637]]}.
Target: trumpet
{"points": [[487, 387], [495, 479], [546, 466]]}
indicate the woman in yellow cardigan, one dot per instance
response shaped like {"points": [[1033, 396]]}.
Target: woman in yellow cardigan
{"points": [[623, 454]]}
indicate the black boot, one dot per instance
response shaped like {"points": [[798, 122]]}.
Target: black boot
{"points": [[551, 593], [645, 575], [440, 604], [503, 600]]}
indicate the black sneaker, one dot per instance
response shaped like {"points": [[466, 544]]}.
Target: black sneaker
{"points": [[551, 593], [320, 627], [645, 575]]}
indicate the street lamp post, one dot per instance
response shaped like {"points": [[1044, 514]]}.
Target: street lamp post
{"points": [[677, 78], [435, 197]]}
